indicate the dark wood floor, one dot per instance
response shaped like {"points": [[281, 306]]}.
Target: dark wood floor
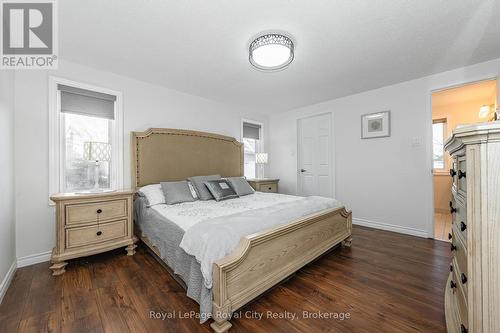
{"points": [[386, 283]]}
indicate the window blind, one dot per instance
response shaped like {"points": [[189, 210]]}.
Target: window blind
{"points": [[86, 102], [251, 131]]}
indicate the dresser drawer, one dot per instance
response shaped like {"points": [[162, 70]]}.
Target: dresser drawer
{"points": [[460, 222], [89, 212], [271, 187], [81, 236], [460, 300], [462, 176], [460, 253]]}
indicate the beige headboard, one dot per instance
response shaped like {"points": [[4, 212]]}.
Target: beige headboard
{"points": [[162, 154]]}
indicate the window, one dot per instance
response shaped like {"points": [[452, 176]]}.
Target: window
{"points": [[252, 134], [85, 138], [438, 138]]}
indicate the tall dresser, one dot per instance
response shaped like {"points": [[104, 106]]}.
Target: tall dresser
{"points": [[472, 296]]}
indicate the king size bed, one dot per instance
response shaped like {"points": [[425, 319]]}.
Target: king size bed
{"points": [[226, 253]]}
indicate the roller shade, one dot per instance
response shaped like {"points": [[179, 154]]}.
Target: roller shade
{"points": [[251, 131], [86, 102]]}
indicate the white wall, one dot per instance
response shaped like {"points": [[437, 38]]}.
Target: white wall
{"points": [[145, 105], [7, 226], [387, 182]]}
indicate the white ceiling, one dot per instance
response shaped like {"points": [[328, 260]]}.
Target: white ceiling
{"points": [[342, 46]]}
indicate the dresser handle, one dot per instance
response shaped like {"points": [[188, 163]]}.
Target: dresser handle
{"points": [[452, 210], [463, 329], [453, 285], [463, 226], [99, 233], [461, 174], [453, 247], [463, 278], [451, 268], [453, 172], [99, 211], [450, 236]]}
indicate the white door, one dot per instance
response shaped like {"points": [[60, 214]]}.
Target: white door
{"points": [[315, 156]]}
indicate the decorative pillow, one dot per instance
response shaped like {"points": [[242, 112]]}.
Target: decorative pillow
{"points": [[199, 185], [177, 192], [193, 191], [153, 194], [240, 186], [220, 189]]}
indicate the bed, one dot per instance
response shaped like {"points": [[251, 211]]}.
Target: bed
{"points": [[257, 260]]}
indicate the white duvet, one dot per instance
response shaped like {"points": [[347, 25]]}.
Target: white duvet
{"points": [[214, 229], [187, 214]]}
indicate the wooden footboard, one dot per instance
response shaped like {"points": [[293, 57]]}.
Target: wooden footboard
{"points": [[264, 259]]}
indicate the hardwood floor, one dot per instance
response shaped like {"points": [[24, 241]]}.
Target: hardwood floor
{"points": [[386, 282], [442, 226]]}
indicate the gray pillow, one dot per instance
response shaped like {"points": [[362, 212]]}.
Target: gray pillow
{"points": [[176, 192], [199, 185], [220, 189], [240, 186]]}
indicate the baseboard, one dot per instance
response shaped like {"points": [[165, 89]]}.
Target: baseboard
{"points": [[33, 259], [7, 280], [390, 227]]}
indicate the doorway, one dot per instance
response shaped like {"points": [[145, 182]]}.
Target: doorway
{"points": [[466, 104], [315, 156]]}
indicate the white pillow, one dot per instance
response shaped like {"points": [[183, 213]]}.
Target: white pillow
{"points": [[153, 194]]}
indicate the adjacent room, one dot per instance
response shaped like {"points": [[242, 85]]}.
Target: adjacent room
{"points": [[249, 166]]}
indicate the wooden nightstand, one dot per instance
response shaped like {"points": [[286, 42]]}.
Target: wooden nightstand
{"points": [[92, 223], [264, 184]]}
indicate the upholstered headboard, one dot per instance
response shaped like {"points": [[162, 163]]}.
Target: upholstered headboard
{"points": [[162, 154]]}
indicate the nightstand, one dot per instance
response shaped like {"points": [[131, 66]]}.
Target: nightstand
{"points": [[91, 223], [264, 184]]}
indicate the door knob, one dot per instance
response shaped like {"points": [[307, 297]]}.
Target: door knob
{"points": [[303, 170]]}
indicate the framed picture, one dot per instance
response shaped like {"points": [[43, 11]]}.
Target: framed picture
{"points": [[376, 125]]}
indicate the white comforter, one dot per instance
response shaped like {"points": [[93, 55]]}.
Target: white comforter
{"points": [[187, 214], [213, 238]]}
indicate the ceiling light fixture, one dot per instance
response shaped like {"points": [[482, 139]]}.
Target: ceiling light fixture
{"points": [[271, 52]]}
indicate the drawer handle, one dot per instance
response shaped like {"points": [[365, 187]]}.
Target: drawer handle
{"points": [[99, 211], [451, 268], [452, 210], [453, 172], [453, 285], [450, 236], [99, 233], [462, 174], [463, 329], [463, 226], [463, 277], [453, 247]]}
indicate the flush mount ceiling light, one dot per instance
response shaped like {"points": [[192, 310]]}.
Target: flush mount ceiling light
{"points": [[271, 52]]}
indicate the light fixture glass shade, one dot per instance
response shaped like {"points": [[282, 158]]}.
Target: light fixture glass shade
{"points": [[271, 52], [261, 158], [484, 111], [96, 151]]}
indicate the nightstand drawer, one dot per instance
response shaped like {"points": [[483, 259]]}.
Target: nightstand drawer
{"points": [[81, 236], [271, 187], [90, 212]]}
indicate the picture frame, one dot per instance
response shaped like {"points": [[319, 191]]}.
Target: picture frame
{"points": [[376, 125]]}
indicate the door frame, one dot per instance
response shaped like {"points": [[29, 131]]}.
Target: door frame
{"points": [[333, 183], [432, 222]]}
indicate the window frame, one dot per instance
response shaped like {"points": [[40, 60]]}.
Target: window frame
{"points": [[56, 137], [445, 169], [259, 147]]}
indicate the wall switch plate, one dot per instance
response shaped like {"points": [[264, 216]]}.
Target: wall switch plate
{"points": [[416, 141]]}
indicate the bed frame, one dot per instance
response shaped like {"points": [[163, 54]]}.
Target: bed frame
{"points": [[261, 260]]}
